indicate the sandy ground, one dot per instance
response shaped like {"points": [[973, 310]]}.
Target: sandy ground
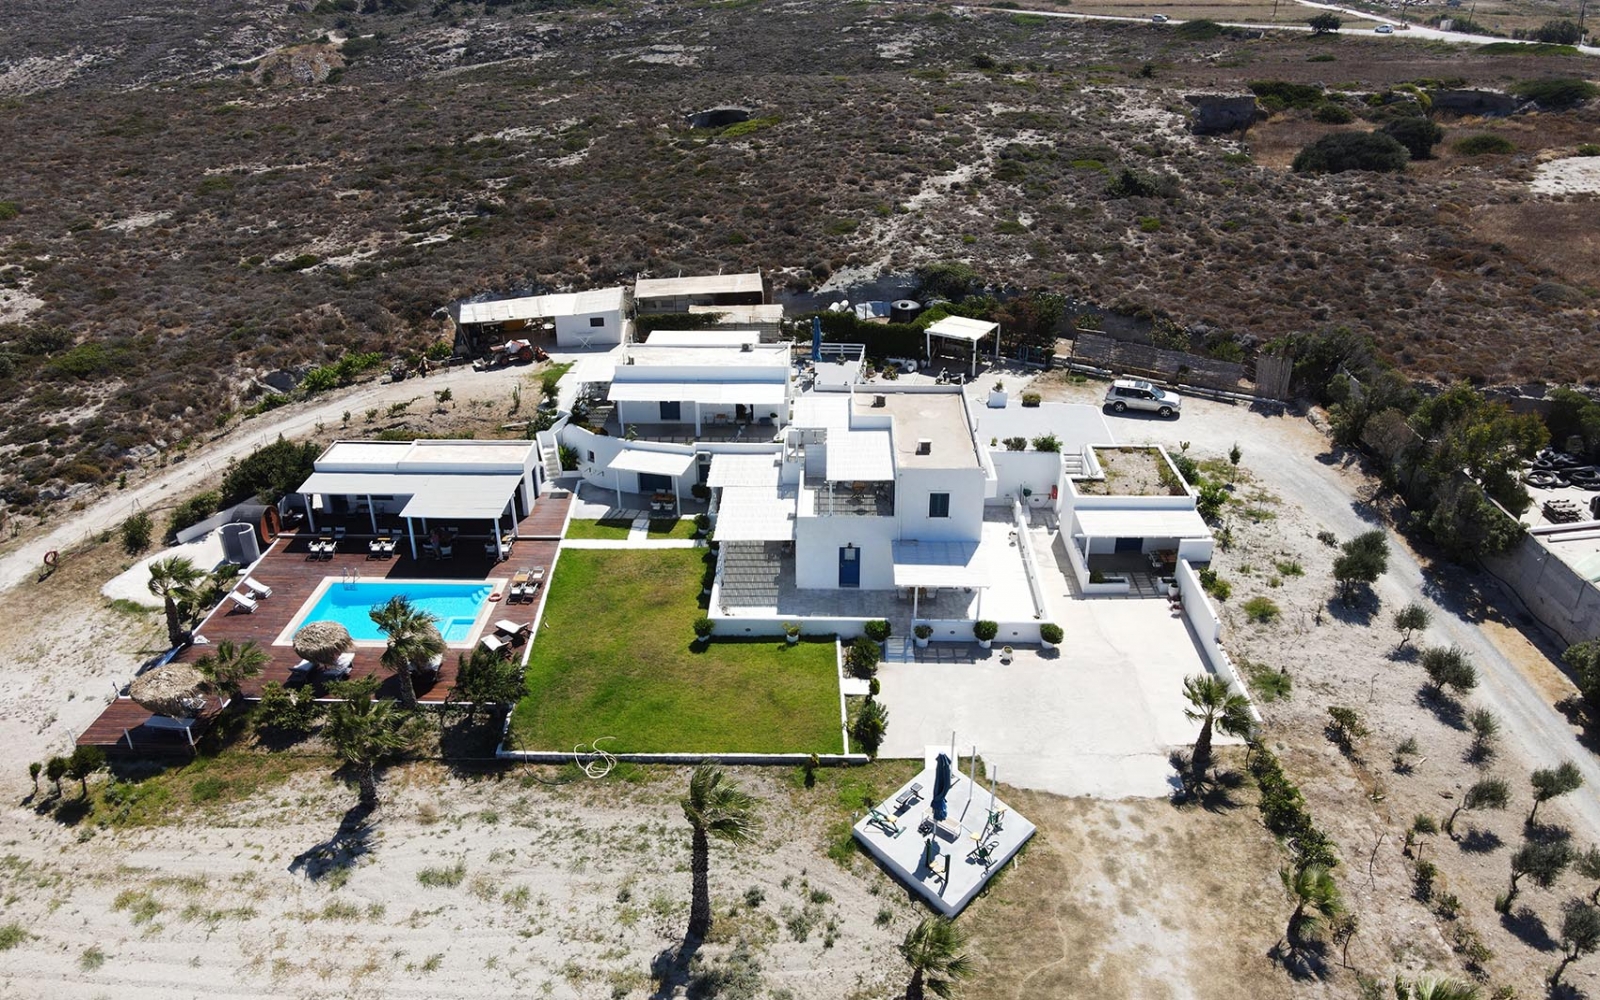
{"points": [[1574, 175]]}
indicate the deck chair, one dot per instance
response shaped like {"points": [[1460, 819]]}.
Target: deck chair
{"points": [[248, 603], [495, 644], [519, 585], [510, 629], [257, 589]]}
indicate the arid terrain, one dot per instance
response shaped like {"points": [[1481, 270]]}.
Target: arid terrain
{"points": [[196, 200]]}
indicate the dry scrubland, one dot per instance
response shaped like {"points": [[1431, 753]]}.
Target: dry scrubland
{"points": [[188, 206]]}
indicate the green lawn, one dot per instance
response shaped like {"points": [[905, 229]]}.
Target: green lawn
{"points": [[614, 658], [617, 528], [672, 527]]}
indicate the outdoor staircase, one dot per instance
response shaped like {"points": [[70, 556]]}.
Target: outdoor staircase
{"points": [[1072, 464], [551, 458]]}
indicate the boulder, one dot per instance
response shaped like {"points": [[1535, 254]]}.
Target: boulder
{"points": [[1218, 113], [1490, 103]]}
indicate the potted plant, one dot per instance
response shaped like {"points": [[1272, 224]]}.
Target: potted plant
{"points": [[984, 632], [700, 491], [702, 524], [997, 395], [878, 631], [703, 628], [791, 632], [1006, 652], [922, 634], [1050, 635]]}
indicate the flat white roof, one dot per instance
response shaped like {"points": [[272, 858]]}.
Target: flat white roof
{"points": [[594, 300], [361, 483], [828, 411], [860, 456], [1075, 424], [962, 328], [936, 417], [703, 338], [756, 514], [770, 313], [749, 393], [657, 463], [938, 564], [737, 470], [1141, 523], [465, 456], [700, 284], [651, 355]]}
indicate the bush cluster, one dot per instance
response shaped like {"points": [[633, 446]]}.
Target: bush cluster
{"points": [[1284, 812]]}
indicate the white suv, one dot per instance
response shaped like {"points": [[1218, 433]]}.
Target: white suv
{"points": [[1133, 394]]}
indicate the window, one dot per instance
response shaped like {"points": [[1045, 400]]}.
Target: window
{"points": [[938, 505], [597, 321], [591, 456], [671, 412]]}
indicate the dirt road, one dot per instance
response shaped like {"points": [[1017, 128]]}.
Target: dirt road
{"points": [[205, 464]]}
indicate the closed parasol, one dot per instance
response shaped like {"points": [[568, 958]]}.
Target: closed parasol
{"points": [[176, 690], [322, 643]]}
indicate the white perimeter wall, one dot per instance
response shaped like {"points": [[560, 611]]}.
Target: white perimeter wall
{"points": [[1208, 630], [1039, 471]]}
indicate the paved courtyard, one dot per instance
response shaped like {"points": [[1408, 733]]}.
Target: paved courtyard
{"points": [[1097, 717]]}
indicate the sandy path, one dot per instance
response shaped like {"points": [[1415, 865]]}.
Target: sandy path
{"points": [[205, 464]]}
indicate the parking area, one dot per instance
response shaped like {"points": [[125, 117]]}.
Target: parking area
{"points": [[1097, 717]]}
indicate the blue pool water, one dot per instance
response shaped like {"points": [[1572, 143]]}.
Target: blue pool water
{"points": [[456, 605]]}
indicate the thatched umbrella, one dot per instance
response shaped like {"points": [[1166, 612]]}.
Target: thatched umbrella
{"points": [[176, 690], [323, 643]]}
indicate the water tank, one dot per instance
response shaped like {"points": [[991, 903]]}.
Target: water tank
{"points": [[239, 544], [904, 310]]}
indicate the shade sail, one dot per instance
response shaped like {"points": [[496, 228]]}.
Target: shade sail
{"points": [[655, 463], [962, 328], [744, 470], [1134, 523], [860, 456], [939, 564]]}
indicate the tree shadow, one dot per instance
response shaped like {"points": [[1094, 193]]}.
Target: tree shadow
{"points": [[68, 811], [1546, 833], [466, 738], [1444, 708], [1361, 609], [1405, 654], [1476, 841], [1301, 959], [1526, 926], [671, 968], [1583, 717], [1567, 991], [351, 842]]}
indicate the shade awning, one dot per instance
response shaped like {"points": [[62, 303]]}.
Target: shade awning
{"points": [[744, 470], [939, 564], [962, 328], [462, 497], [860, 456], [710, 393], [1141, 523], [654, 463], [755, 514]]}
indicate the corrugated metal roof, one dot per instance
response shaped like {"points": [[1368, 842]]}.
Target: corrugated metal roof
{"points": [[755, 514], [655, 463], [962, 328], [744, 470], [939, 564], [750, 393], [860, 456], [594, 300], [1141, 523], [704, 284]]}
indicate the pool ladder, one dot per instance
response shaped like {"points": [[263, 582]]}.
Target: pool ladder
{"points": [[352, 576]]}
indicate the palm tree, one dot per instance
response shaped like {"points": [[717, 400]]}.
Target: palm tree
{"points": [[933, 950], [1434, 988], [171, 579], [714, 807], [1317, 901], [364, 731], [229, 663], [1214, 704], [413, 642]]}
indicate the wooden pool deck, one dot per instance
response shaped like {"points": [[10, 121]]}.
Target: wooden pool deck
{"points": [[293, 575]]}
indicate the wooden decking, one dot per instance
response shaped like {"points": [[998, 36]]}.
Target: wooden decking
{"points": [[292, 575], [123, 729]]}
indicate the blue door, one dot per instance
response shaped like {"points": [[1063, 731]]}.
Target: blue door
{"points": [[849, 566]]}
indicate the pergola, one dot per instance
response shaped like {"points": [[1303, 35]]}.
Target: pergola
{"points": [[652, 463], [1140, 523], [920, 564], [765, 395], [962, 328], [435, 495]]}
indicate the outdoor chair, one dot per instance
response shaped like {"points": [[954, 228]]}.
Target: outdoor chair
{"points": [[374, 548], [257, 589], [511, 629], [495, 644], [447, 551], [248, 603], [386, 547]]}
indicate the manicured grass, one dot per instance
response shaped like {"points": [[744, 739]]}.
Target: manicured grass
{"points": [[614, 657], [682, 527], [616, 528]]}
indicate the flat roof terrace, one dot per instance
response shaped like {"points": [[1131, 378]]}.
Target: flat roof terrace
{"points": [[940, 417]]}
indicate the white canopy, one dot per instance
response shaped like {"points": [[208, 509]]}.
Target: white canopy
{"points": [[755, 514], [860, 456], [656, 463], [749, 393], [462, 497], [962, 328], [938, 564], [1135, 523], [744, 470]]}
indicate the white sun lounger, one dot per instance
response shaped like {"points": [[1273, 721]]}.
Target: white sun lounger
{"points": [[248, 603], [257, 589], [494, 644]]}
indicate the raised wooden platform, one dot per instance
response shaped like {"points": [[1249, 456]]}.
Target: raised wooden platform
{"points": [[124, 729]]}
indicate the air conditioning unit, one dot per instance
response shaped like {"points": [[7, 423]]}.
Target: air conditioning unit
{"points": [[924, 446], [880, 401]]}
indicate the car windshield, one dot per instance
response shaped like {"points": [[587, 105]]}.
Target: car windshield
{"points": [[1157, 393]]}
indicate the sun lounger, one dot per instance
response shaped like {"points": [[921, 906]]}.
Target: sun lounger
{"points": [[511, 629], [494, 644], [257, 589], [386, 546], [248, 603]]}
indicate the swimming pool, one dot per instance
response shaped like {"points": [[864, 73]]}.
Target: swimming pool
{"points": [[456, 605]]}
